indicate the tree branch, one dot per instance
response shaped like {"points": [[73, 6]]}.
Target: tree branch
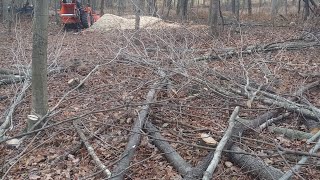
{"points": [[90, 150], [216, 158]]}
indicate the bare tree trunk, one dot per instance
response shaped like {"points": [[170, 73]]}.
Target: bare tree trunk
{"points": [[152, 7], [274, 9], [237, 10], [233, 6], [39, 60], [249, 7], [137, 14], [94, 5], [142, 7], [10, 16], [120, 7], [210, 13], [293, 3], [184, 9], [214, 9], [102, 7], [178, 7], [299, 6], [306, 10], [109, 3], [1, 7], [5, 12], [192, 3], [198, 5], [169, 6], [164, 3], [137, 20], [285, 7], [56, 14], [260, 5]]}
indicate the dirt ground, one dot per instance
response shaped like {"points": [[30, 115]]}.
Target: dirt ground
{"points": [[123, 74]]}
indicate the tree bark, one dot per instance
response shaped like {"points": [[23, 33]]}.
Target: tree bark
{"points": [[142, 7], [306, 9], [178, 7], [274, 9], [109, 3], [249, 7], [137, 20], [152, 7], [5, 13], [285, 7], [102, 7], [214, 9], [134, 139], [255, 165], [56, 14], [120, 7], [237, 7], [39, 59], [233, 6], [184, 9], [169, 152], [169, 6]]}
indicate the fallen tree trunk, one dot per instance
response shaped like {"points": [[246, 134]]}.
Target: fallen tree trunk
{"points": [[10, 72], [313, 113], [287, 45], [169, 152], [217, 154], [256, 166], [290, 133], [11, 80], [91, 151], [304, 159], [9, 113], [134, 139]]}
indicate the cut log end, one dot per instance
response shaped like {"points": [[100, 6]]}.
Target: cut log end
{"points": [[74, 82]]}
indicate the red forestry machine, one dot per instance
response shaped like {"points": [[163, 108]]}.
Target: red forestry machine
{"points": [[74, 14]]}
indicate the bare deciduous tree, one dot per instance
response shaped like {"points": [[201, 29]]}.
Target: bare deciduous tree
{"points": [[306, 9], [121, 7], [274, 9], [152, 7], [237, 9], [249, 7], [102, 7], [39, 60], [213, 19]]}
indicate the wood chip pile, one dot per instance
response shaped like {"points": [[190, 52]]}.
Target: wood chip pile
{"points": [[109, 21]]}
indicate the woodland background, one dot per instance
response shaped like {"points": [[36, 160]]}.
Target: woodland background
{"points": [[220, 90]]}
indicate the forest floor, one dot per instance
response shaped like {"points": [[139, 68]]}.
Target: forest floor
{"points": [[118, 74]]}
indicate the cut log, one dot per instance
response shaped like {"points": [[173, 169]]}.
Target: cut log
{"points": [[91, 151], [11, 80], [135, 137], [257, 167], [74, 82], [169, 152], [290, 133], [10, 72], [310, 112], [287, 45], [217, 154]]}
